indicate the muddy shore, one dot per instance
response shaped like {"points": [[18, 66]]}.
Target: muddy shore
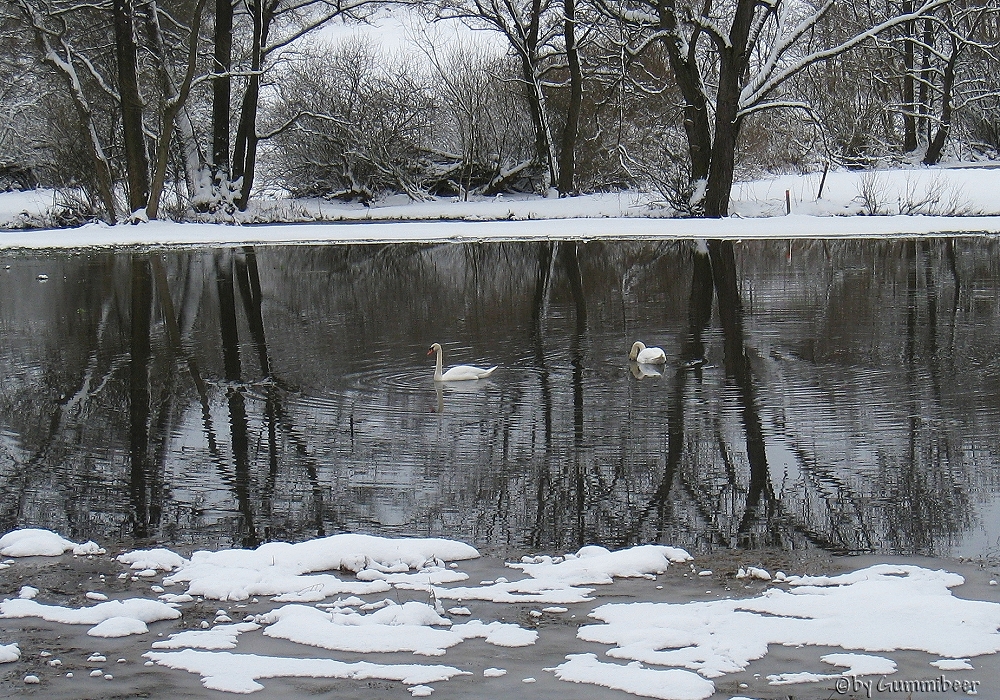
{"points": [[51, 651]]}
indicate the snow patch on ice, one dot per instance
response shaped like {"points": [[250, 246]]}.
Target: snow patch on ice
{"points": [[115, 627], [219, 637], [868, 610], [855, 665], [238, 673], [799, 677], [754, 572], [413, 626], [501, 634], [530, 591], [393, 628], [281, 569], [421, 580], [559, 580], [664, 684], [9, 653], [136, 609], [33, 542], [861, 664], [953, 664], [158, 559], [88, 548], [597, 565], [176, 598]]}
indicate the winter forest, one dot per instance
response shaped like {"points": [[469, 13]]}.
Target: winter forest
{"points": [[178, 109]]}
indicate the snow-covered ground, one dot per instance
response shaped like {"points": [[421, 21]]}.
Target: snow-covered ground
{"points": [[917, 201], [335, 599]]}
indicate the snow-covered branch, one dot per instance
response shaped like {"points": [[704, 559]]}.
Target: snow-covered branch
{"points": [[294, 119], [774, 74]]}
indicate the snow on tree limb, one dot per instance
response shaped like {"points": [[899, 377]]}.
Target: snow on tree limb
{"points": [[773, 75]]}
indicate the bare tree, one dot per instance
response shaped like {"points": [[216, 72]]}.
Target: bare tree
{"points": [[222, 88], [953, 78], [732, 60], [93, 50], [571, 127], [174, 106], [275, 24], [530, 28], [21, 139], [854, 96], [352, 133], [136, 160], [134, 99], [482, 142], [980, 130], [77, 72], [175, 97]]}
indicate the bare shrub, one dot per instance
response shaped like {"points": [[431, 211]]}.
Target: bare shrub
{"points": [[872, 193], [353, 132], [483, 139], [937, 197]]}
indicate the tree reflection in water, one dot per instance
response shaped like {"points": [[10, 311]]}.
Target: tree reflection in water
{"points": [[832, 393]]}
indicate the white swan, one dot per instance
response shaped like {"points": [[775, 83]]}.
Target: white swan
{"points": [[647, 356], [458, 372]]}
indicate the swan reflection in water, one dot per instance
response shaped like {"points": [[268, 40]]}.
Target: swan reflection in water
{"points": [[643, 370], [458, 392]]}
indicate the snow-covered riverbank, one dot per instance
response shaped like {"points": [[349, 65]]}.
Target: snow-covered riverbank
{"points": [[795, 226], [882, 203]]}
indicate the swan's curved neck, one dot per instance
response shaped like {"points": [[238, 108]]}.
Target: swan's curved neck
{"points": [[437, 365]]}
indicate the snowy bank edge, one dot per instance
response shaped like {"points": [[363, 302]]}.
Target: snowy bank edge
{"points": [[161, 233]]}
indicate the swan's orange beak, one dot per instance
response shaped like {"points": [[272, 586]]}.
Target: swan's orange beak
{"points": [[431, 351]]}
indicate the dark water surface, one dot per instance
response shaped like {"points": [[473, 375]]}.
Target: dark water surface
{"points": [[842, 394]]}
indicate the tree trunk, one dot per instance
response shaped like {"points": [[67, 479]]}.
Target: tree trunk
{"points": [[536, 98], [245, 151], [909, 97], [194, 163], [732, 64], [222, 88], [723, 165], [924, 94], [936, 146], [571, 130], [687, 73], [536, 104], [173, 104], [245, 154], [136, 162]]}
